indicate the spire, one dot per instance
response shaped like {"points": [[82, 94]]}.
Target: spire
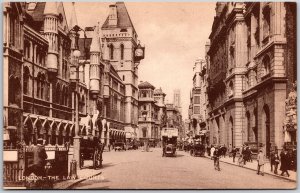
{"points": [[73, 20], [51, 8], [95, 45]]}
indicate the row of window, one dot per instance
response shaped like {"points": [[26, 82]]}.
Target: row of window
{"points": [[112, 52]]}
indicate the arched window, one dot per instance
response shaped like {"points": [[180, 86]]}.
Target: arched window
{"points": [[123, 78], [57, 95], [122, 51], [266, 21], [266, 65], [111, 51], [43, 84], [26, 75]]}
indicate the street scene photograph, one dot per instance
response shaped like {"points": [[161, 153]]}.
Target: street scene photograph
{"points": [[149, 95]]}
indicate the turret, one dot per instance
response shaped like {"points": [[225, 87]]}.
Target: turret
{"points": [[95, 58], [51, 33]]}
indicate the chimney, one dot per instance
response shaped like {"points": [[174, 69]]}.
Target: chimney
{"points": [[113, 17]]}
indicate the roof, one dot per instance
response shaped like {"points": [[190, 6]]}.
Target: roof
{"points": [[124, 20], [38, 13], [159, 92], [146, 85]]}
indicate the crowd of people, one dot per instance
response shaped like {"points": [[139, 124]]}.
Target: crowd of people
{"points": [[287, 159]]}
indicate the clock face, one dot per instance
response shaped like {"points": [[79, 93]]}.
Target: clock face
{"points": [[138, 52]]}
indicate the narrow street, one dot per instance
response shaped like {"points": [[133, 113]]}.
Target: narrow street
{"points": [[142, 170]]}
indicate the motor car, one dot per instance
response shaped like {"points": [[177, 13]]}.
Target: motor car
{"points": [[118, 146]]}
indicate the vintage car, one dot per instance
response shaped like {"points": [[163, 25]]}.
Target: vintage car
{"points": [[119, 146], [197, 149], [169, 141]]}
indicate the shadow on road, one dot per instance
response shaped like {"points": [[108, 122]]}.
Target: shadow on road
{"points": [[106, 165]]}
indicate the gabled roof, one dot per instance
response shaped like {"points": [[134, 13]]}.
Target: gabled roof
{"points": [[124, 20], [146, 85]]}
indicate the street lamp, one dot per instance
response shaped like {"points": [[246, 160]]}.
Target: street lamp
{"points": [[74, 81]]}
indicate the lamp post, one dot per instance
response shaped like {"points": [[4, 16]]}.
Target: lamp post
{"points": [[74, 81]]}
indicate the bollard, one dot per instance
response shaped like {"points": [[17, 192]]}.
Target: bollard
{"points": [[73, 169]]}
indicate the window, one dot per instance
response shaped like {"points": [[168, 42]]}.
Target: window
{"points": [[26, 80], [144, 132], [196, 99], [123, 78], [266, 66], [14, 89], [196, 110], [145, 107], [122, 51], [111, 52], [266, 21]]}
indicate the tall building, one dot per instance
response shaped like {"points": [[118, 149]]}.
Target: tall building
{"points": [[198, 101], [177, 99], [251, 71], [123, 51]]}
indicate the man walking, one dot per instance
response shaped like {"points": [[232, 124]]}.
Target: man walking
{"points": [[233, 153], [260, 163], [284, 162]]}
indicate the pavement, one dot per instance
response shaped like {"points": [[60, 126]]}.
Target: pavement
{"points": [[83, 174], [253, 166]]}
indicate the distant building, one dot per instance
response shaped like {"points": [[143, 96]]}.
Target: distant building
{"points": [[151, 112], [198, 101], [177, 99]]}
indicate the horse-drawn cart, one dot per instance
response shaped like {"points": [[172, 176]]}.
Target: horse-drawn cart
{"points": [[91, 149]]}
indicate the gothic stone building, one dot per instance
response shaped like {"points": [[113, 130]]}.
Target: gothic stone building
{"points": [[252, 67]]}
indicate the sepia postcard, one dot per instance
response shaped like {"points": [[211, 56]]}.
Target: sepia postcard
{"points": [[149, 95]]}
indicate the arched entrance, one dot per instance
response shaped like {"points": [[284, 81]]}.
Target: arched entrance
{"points": [[266, 126]]}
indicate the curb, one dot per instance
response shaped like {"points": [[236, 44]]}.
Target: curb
{"points": [[271, 174], [79, 181]]}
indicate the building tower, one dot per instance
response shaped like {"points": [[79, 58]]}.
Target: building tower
{"points": [[177, 100], [51, 33], [121, 49]]}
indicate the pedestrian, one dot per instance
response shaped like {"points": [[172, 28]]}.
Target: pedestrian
{"points": [[276, 161], [212, 150], [208, 151], [260, 163], [216, 157], [272, 160], [39, 160], [284, 162], [233, 153], [230, 150]]}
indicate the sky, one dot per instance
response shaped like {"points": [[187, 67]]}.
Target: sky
{"points": [[174, 35]]}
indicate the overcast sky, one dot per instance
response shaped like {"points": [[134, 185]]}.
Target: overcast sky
{"points": [[174, 35]]}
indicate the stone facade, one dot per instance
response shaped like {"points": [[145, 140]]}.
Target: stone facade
{"points": [[250, 72], [119, 40]]}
